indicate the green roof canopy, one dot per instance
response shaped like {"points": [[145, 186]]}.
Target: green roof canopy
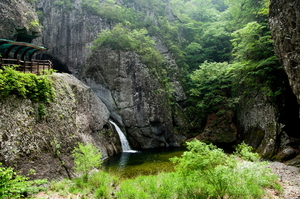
{"points": [[21, 50]]}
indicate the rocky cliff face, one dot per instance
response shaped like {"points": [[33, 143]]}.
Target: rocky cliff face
{"points": [[18, 20], [285, 27], [136, 99], [257, 121], [134, 95], [42, 136], [68, 31]]}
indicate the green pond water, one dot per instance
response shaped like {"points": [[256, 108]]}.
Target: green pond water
{"points": [[144, 162]]}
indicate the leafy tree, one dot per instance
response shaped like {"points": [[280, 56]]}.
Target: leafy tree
{"points": [[219, 5], [252, 43], [255, 63], [86, 158], [122, 38], [212, 86], [213, 45], [241, 12]]}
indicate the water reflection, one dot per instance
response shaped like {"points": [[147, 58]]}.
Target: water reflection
{"points": [[123, 160], [145, 162]]}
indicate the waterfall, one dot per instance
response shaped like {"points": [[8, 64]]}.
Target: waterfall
{"points": [[124, 142]]}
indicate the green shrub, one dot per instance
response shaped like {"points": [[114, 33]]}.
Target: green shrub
{"points": [[99, 185], [17, 186], [223, 175], [86, 158], [246, 152], [122, 38], [204, 172], [26, 85]]}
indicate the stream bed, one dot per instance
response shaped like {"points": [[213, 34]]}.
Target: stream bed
{"points": [[144, 162]]}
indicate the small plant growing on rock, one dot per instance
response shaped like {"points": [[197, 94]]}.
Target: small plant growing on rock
{"points": [[86, 158], [246, 152]]}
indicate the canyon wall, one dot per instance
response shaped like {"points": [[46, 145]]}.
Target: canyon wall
{"points": [[285, 28], [42, 136], [284, 18], [137, 100]]}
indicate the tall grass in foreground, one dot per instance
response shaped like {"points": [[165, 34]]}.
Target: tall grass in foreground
{"points": [[202, 172], [99, 185], [205, 172]]}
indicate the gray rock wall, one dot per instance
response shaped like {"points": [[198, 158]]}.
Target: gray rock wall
{"points": [[18, 16], [134, 95], [68, 32], [123, 83], [284, 19], [258, 125], [44, 143], [285, 29]]}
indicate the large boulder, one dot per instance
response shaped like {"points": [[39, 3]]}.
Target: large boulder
{"points": [[42, 136], [134, 95]]}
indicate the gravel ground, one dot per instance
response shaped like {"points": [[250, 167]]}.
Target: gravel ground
{"points": [[289, 178]]}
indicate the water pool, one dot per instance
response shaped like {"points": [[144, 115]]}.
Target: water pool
{"points": [[145, 162]]}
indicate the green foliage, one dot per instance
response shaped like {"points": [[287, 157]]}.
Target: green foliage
{"points": [[222, 174], [86, 158], [246, 152], [241, 12], [34, 25], [212, 86], [26, 85], [203, 172], [110, 10], [252, 43], [13, 185], [255, 65], [99, 185], [122, 38]]}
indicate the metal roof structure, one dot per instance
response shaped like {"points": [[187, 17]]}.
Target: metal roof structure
{"points": [[18, 50]]}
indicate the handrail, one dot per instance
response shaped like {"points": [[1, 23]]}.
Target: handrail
{"points": [[34, 66]]}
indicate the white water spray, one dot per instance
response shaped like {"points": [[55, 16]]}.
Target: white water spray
{"points": [[124, 142]]}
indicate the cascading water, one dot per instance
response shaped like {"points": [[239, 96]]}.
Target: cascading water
{"points": [[124, 142]]}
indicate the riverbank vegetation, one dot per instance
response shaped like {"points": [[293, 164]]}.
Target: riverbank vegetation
{"points": [[204, 171]]}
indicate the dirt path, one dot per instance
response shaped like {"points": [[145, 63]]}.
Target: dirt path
{"points": [[289, 178]]}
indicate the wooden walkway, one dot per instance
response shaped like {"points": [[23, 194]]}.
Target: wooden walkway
{"points": [[34, 66]]}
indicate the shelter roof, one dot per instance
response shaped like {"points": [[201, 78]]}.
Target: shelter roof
{"points": [[18, 48]]}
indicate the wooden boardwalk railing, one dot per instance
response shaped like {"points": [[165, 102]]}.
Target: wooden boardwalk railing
{"points": [[34, 66]]}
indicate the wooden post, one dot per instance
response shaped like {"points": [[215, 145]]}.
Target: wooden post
{"points": [[31, 65], [43, 67], [38, 67], [24, 66]]}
